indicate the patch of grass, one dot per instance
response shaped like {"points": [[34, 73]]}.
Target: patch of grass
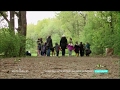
{"points": [[34, 54]]}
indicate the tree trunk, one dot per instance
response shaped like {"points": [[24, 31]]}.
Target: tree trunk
{"points": [[24, 22], [22, 27], [12, 20], [19, 22], [5, 17], [111, 23]]}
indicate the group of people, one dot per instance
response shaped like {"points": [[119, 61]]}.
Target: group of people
{"points": [[47, 47]]}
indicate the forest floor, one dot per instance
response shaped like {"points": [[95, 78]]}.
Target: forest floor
{"points": [[59, 67]]}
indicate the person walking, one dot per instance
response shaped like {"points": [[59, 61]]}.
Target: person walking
{"points": [[70, 48], [49, 45], [76, 49], [63, 44], [87, 49], [57, 49], [81, 49]]}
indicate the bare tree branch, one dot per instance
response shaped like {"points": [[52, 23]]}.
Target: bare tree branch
{"points": [[4, 17]]}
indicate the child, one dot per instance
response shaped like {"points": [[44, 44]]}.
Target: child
{"points": [[43, 49], [38, 49], [53, 51], [87, 49], [70, 48], [76, 48], [81, 49], [28, 53], [57, 49]]}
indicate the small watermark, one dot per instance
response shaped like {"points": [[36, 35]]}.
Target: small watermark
{"points": [[20, 70], [68, 71]]}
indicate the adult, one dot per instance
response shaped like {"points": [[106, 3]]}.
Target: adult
{"points": [[49, 45], [63, 44]]}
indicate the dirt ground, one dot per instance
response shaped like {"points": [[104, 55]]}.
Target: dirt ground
{"points": [[59, 68]]}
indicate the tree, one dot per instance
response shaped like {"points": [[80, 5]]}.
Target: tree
{"points": [[22, 26], [11, 21]]}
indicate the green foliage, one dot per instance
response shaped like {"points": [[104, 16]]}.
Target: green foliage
{"points": [[81, 26], [31, 45], [11, 44], [43, 29], [72, 23]]}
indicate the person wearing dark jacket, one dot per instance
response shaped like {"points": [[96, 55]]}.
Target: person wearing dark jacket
{"points": [[49, 45], [76, 49], [57, 49], [81, 49], [63, 44], [28, 53], [87, 50]]}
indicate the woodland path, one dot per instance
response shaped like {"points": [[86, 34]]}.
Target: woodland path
{"points": [[59, 68]]}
